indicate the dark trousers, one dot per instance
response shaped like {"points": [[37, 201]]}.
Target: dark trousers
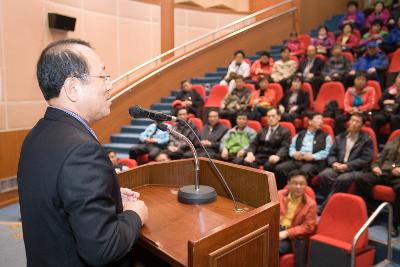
{"points": [[300, 250], [229, 115], [310, 168], [201, 153], [364, 189], [381, 118], [316, 83], [290, 117], [141, 149], [257, 113], [332, 181]]}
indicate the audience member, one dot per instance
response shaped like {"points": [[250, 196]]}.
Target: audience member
{"points": [[311, 69], [308, 150], [323, 42], [351, 153], [380, 12], [347, 39], [386, 171], [295, 102], [295, 46], [375, 34], [190, 99], [261, 100], [337, 66], [391, 41], [235, 101], [118, 167], [238, 67], [177, 147], [284, 68], [353, 15], [162, 157], [271, 145], [358, 99], [298, 217], [152, 141], [262, 67], [236, 140], [389, 111], [211, 135]]}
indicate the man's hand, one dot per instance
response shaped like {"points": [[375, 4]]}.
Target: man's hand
{"points": [[328, 79], [371, 70], [283, 234], [139, 207], [274, 159], [377, 171], [352, 72], [240, 153], [250, 158], [224, 154], [172, 148], [396, 171], [206, 143], [129, 195], [222, 106], [343, 167], [308, 157], [147, 140], [335, 166], [297, 155]]}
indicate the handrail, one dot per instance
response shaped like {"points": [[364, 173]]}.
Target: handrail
{"points": [[203, 37], [165, 66], [364, 227]]}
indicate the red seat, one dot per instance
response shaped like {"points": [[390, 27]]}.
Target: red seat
{"points": [[142, 159], [322, 57], [329, 91], [393, 135], [200, 89], [256, 125], [336, 230], [385, 129], [394, 65], [278, 92], [216, 96], [378, 91], [372, 134], [130, 163], [349, 56], [250, 87], [328, 130], [198, 123], [290, 127], [326, 120], [308, 88], [226, 122], [295, 59], [286, 260], [305, 38]]}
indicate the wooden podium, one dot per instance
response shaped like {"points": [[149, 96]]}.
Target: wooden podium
{"points": [[210, 234]]}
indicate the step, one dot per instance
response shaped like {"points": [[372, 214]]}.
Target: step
{"points": [[276, 47], [125, 138], [135, 129], [161, 106], [168, 99], [386, 263], [215, 74], [119, 147], [174, 93], [253, 58], [222, 69], [377, 238], [197, 80], [143, 122]]}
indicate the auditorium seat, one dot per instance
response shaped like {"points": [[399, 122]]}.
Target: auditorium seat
{"points": [[278, 92], [216, 96], [130, 163], [305, 38], [349, 56], [226, 122], [332, 243], [290, 127], [250, 87], [198, 123], [200, 89], [329, 91], [255, 125], [378, 91]]}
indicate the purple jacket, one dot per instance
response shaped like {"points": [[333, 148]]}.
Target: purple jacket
{"points": [[384, 16]]}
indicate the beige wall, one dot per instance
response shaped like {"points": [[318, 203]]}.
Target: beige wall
{"points": [[125, 33]]}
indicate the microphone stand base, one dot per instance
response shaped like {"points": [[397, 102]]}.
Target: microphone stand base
{"points": [[188, 195]]}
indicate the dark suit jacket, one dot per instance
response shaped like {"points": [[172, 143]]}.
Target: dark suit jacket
{"points": [[70, 198], [278, 144], [316, 68], [214, 136], [361, 155], [303, 101]]}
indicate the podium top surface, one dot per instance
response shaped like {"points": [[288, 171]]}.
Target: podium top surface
{"points": [[171, 224]]}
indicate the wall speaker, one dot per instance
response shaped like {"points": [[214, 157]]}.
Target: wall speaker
{"points": [[61, 22]]}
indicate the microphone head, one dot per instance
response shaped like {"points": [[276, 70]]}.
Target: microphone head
{"points": [[138, 112]]}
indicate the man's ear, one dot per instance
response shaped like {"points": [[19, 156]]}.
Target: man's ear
{"points": [[70, 89]]}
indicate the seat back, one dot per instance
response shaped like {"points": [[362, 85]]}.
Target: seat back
{"points": [[226, 122], [393, 135], [349, 56], [329, 91], [305, 39], [295, 59], [328, 130], [342, 217], [200, 89], [278, 92], [131, 163], [250, 87], [216, 96], [198, 123], [394, 65], [308, 88], [256, 125], [378, 91], [372, 134], [290, 127]]}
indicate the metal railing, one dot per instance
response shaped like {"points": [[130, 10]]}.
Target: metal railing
{"points": [[196, 43], [367, 224]]}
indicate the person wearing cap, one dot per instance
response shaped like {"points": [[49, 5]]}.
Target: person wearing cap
{"points": [[374, 62]]}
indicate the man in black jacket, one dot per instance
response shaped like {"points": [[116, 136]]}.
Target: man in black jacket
{"points": [[310, 69], [73, 211], [189, 99], [271, 145], [351, 153]]}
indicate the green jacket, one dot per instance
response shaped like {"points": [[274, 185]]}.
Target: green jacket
{"points": [[234, 141]]}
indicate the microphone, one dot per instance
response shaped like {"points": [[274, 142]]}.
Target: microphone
{"points": [[138, 112]]}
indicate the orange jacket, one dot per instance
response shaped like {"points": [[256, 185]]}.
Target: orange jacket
{"points": [[267, 69], [305, 218], [268, 97], [368, 99]]}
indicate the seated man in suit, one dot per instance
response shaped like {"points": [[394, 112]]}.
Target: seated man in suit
{"points": [[271, 145], [236, 140], [190, 99], [211, 135], [310, 69], [308, 150], [351, 153], [386, 171], [152, 141], [298, 216], [177, 147]]}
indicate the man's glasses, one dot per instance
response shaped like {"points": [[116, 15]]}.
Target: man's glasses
{"points": [[106, 78]]}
